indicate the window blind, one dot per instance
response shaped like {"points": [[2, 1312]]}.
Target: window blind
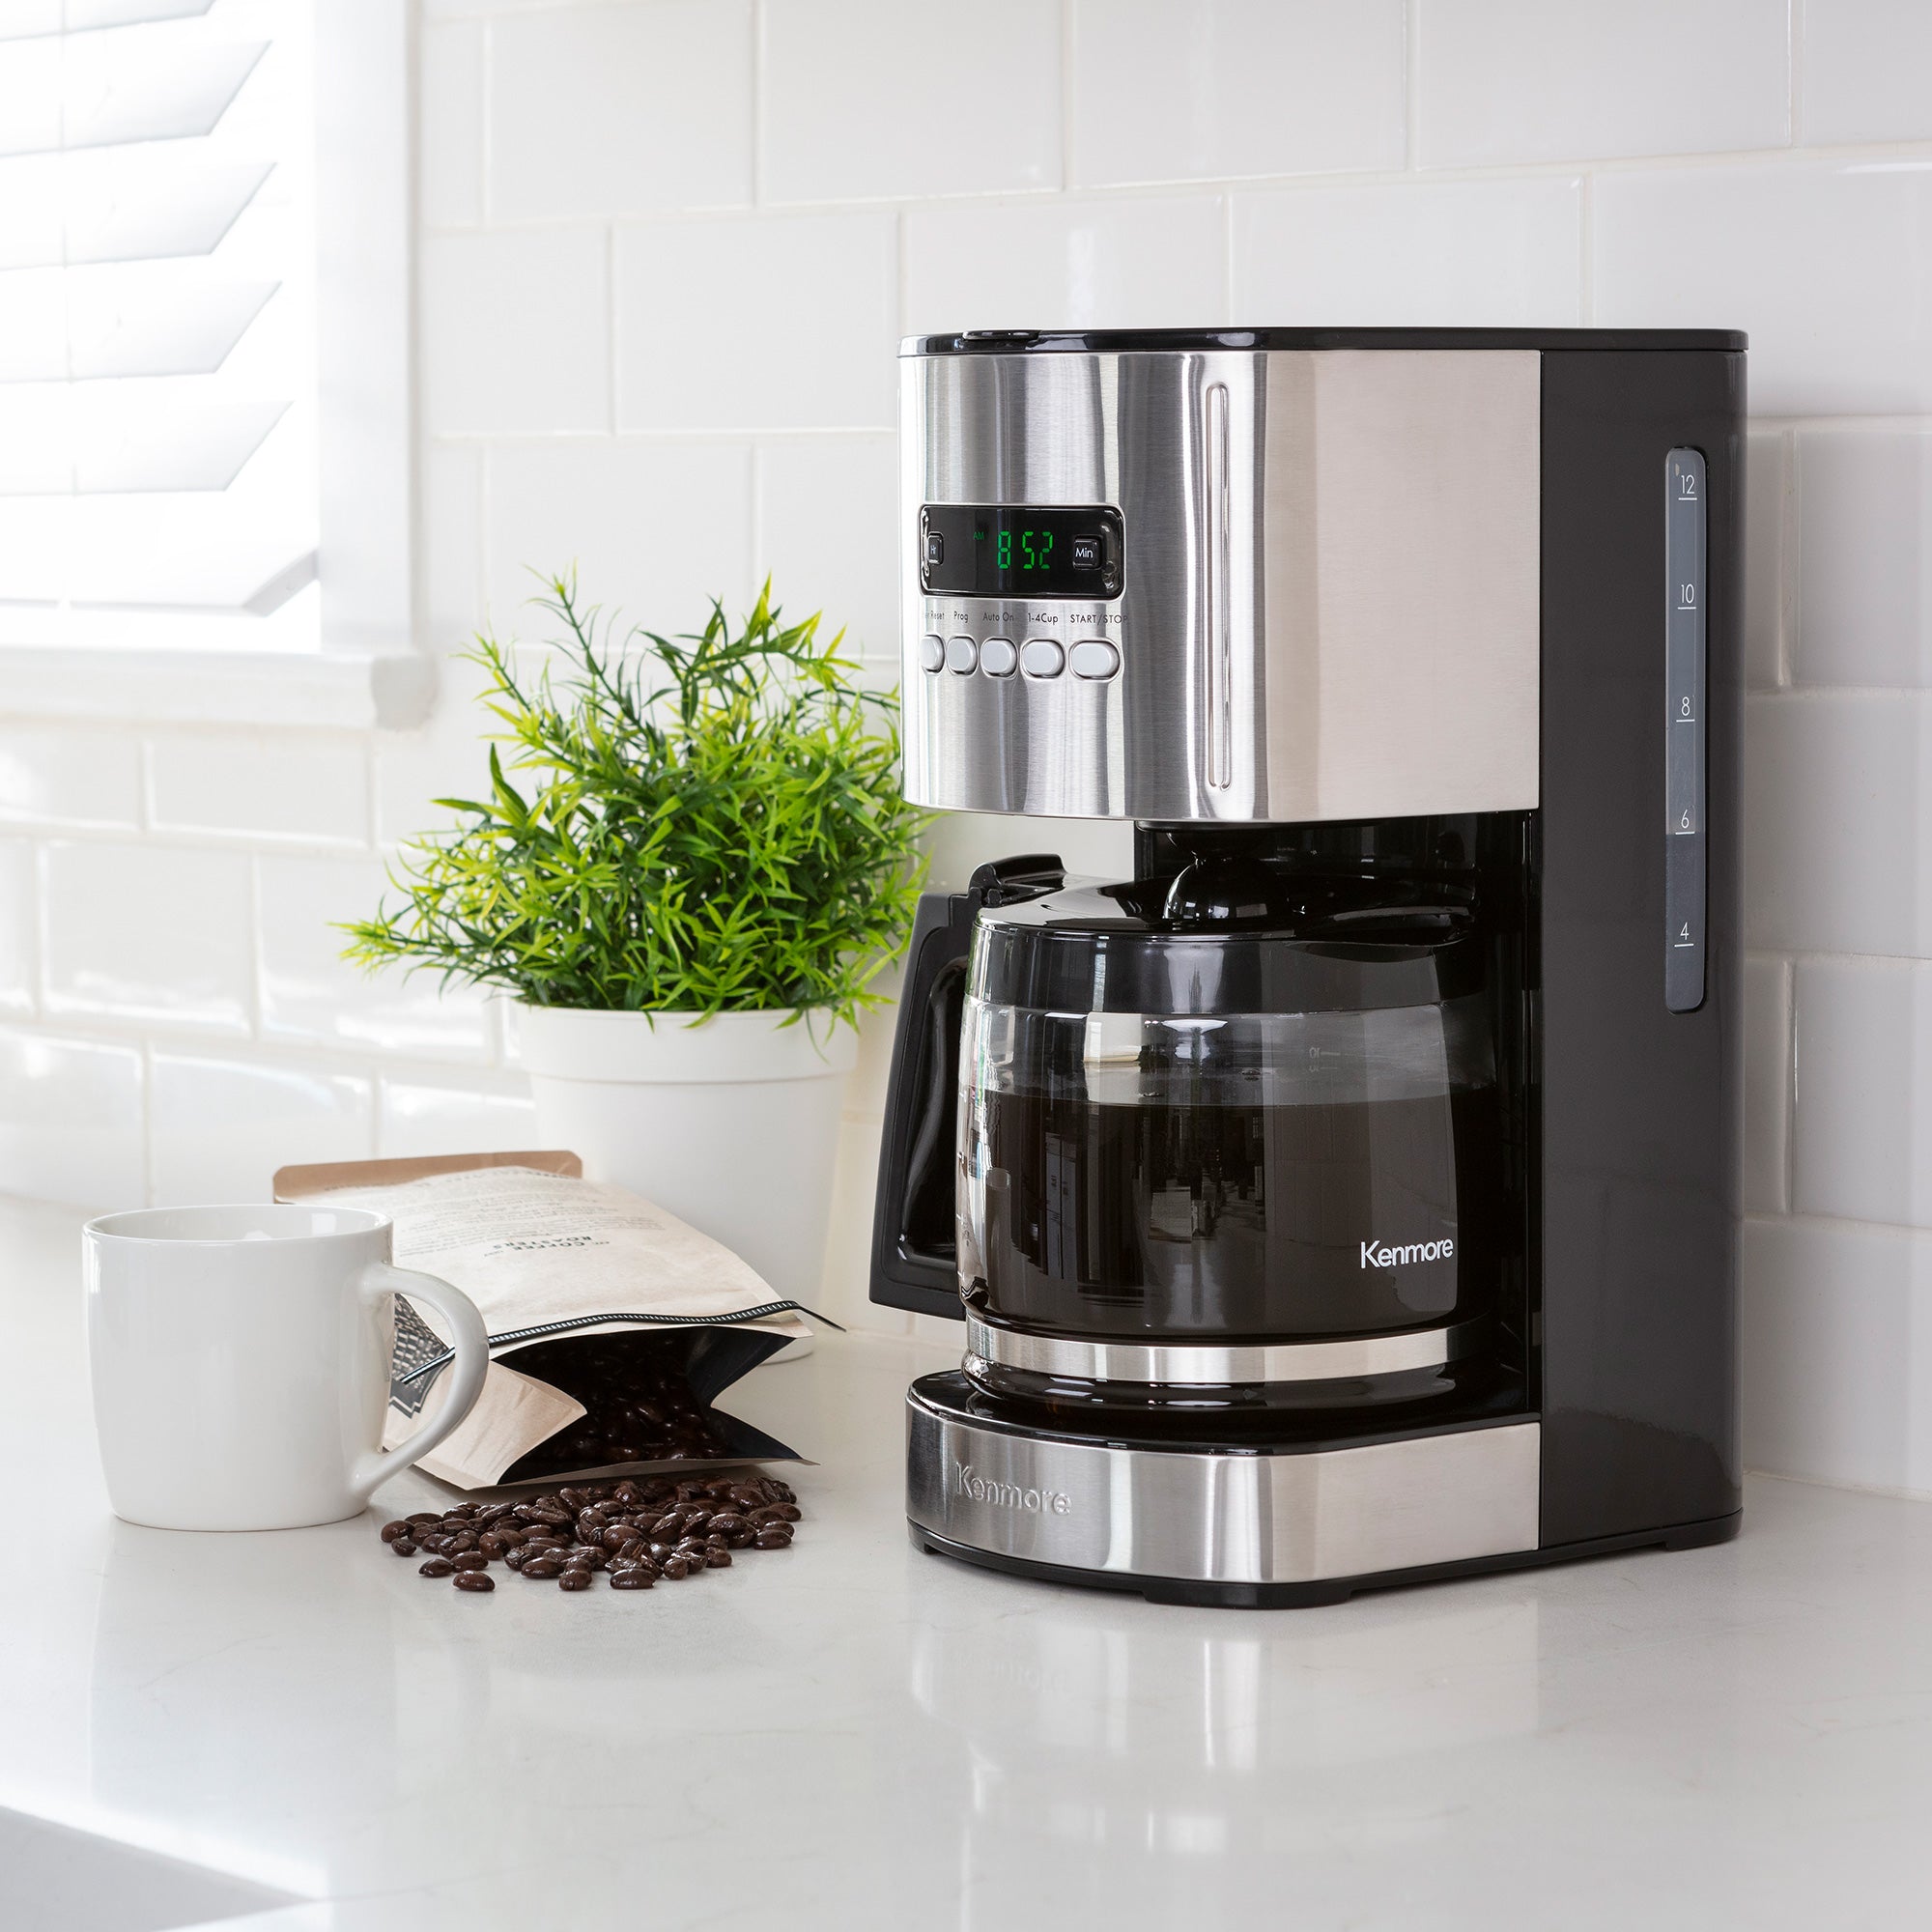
{"points": [[158, 465]]}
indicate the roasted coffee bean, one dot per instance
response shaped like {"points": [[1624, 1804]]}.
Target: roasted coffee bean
{"points": [[543, 1566], [673, 1568], [514, 1558], [573, 1578], [631, 1579], [473, 1579], [392, 1530], [455, 1544], [728, 1522], [469, 1559], [772, 1539], [420, 1517], [403, 1547], [437, 1566], [616, 1537], [717, 1560]]}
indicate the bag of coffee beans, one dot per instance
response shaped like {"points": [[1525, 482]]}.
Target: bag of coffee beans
{"points": [[613, 1325]]}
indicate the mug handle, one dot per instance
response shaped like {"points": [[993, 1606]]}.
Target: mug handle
{"points": [[471, 1343]]}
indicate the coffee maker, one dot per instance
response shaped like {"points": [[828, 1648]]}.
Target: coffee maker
{"points": [[1348, 1196]]}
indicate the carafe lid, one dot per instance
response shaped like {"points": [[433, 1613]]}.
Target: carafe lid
{"points": [[1216, 941]]}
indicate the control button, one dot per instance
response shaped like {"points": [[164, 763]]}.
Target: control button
{"points": [[931, 653], [961, 655], [935, 546], [997, 657], [1040, 657], [1093, 657], [1085, 553]]}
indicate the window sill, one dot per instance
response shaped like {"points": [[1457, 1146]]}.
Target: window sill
{"points": [[335, 690]]}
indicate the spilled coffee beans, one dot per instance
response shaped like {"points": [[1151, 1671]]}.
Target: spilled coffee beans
{"points": [[641, 1529]]}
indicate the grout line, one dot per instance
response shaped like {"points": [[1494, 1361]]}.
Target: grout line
{"points": [[757, 103], [1842, 1221], [486, 68], [1788, 1178]]}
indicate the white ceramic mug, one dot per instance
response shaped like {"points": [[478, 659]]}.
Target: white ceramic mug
{"points": [[240, 1362]]}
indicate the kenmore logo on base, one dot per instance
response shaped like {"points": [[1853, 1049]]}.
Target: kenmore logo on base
{"points": [[1009, 1495], [1373, 1257]]}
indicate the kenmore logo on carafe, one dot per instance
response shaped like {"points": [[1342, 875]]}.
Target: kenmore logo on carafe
{"points": [[1010, 1495], [1383, 1256]]}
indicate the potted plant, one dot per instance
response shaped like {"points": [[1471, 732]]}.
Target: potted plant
{"points": [[692, 861]]}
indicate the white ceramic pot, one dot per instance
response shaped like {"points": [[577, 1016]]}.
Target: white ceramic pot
{"points": [[732, 1123]]}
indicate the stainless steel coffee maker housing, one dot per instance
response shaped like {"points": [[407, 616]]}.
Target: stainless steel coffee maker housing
{"points": [[1402, 650]]}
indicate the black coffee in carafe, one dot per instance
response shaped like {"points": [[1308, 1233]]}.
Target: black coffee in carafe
{"points": [[1288, 1131]]}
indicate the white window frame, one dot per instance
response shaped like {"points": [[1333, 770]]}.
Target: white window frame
{"points": [[368, 670]]}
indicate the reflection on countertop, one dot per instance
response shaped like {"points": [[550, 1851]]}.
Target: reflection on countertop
{"points": [[850, 1734]]}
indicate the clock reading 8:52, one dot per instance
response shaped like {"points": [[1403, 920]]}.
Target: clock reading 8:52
{"points": [[1036, 547]]}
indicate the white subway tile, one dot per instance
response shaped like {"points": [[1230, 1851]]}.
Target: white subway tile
{"points": [[19, 926], [1863, 70], [446, 757], [451, 552], [267, 785], [1767, 486], [1767, 997], [1498, 254], [846, 1285], [1865, 556], [782, 322], [960, 841], [1182, 90], [828, 522], [485, 1116], [54, 775], [655, 531], [1550, 80], [621, 109], [1863, 1036], [140, 932], [516, 333], [1837, 843], [222, 1128], [1819, 262], [449, 139], [70, 1120], [311, 994], [1838, 1352], [1067, 264], [870, 98]]}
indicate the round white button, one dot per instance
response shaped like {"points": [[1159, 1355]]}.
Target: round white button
{"points": [[997, 657], [1040, 657], [961, 655], [1093, 657], [933, 653]]}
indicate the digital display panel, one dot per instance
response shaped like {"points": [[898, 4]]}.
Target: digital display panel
{"points": [[1012, 549]]}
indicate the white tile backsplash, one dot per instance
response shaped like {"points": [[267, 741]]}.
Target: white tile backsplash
{"points": [[1066, 264], [222, 1128], [1865, 558], [697, 343], [1563, 80], [1821, 263], [54, 774], [422, 1116], [71, 1120], [150, 934], [621, 109], [654, 529], [668, 248], [870, 98], [261, 785], [1837, 840], [1502, 254], [1864, 66], [1861, 1149], [19, 927], [1838, 1352], [1187, 90], [522, 327], [311, 995]]}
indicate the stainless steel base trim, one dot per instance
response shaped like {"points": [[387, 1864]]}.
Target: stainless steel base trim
{"points": [[1284, 1517], [1207, 1363]]}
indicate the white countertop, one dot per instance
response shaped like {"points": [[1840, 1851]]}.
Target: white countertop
{"points": [[852, 1735]]}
